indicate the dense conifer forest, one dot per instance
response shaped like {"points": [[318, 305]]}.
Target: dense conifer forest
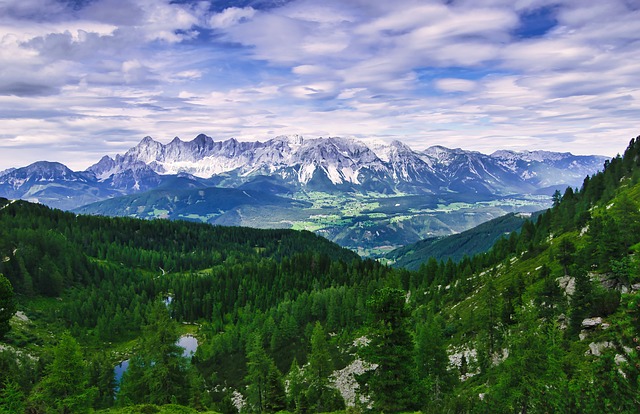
{"points": [[545, 321]]}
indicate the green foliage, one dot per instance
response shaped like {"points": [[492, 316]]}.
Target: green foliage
{"points": [[431, 361], [7, 305], [474, 241], [275, 398], [17, 368], [258, 366], [263, 300], [392, 385], [158, 373], [320, 363], [102, 378], [155, 409], [64, 388], [12, 399], [320, 395], [531, 379]]}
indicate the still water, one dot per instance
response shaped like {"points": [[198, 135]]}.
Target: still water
{"points": [[187, 342]]}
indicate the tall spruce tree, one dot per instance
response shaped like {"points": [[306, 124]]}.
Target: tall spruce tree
{"points": [[258, 366], [431, 360], [274, 396], [7, 305], [531, 379], [101, 376], [392, 385], [321, 396]]}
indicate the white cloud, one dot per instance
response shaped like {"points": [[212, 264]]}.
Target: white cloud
{"points": [[455, 85], [231, 16], [428, 72]]}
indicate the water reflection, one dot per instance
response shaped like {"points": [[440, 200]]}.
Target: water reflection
{"points": [[188, 342]]}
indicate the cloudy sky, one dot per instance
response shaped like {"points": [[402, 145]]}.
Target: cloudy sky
{"points": [[83, 78]]}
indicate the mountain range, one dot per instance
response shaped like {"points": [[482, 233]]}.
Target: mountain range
{"points": [[345, 164], [291, 181]]}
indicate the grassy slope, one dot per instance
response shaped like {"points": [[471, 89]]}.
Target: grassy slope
{"points": [[467, 317]]}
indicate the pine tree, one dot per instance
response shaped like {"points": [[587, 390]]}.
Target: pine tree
{"points": [[101, 376], [321, 396], [295, 385], [566, 250], [550, 297], [532, 376], [320, 363], [581, 302]]}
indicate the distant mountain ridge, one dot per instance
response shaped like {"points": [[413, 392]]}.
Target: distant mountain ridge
{"points": [[372, 196], [351, 164]]}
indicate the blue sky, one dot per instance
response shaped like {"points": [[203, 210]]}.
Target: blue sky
{"points": [[81, 79]]}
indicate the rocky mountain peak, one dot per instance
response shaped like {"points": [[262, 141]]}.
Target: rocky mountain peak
{"points": [[339, 160]]}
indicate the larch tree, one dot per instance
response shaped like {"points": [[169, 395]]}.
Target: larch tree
{"points": [[64, 388]]}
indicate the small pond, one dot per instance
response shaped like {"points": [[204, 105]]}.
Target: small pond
{"points": [[188, 342]]}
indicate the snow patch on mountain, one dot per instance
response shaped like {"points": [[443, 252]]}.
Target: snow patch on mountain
{"points": [[380, 166], [7, 171]]}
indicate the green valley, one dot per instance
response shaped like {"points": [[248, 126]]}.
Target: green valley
{"points": [[547, 320], [371, 224]]}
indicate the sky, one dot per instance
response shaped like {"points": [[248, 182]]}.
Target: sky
{"points": [[80, 79]]}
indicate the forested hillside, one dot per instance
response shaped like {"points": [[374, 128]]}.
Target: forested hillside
{"points": [[546, 321], [474, 241]]}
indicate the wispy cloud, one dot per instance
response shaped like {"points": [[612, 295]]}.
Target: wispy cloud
{"points": [[78, 80]]}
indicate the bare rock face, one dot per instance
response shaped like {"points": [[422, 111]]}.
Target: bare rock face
{"points": [[461, 359], [596, 348], [568, 284], [344, 381], [592, 323]]}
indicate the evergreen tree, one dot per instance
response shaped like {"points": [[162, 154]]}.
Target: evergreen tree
{"points": [[65, 389], [134, 388], [7, 305], [392, 385], [556, 198], [275, 399], [321, 396], [531, 379], [101, 376], [566, 250], [432, 363], [11, 399], [226, 406], [550, 297], [258, 366], [158, 374], [295, 385], [581, 302], [320, 363]]}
